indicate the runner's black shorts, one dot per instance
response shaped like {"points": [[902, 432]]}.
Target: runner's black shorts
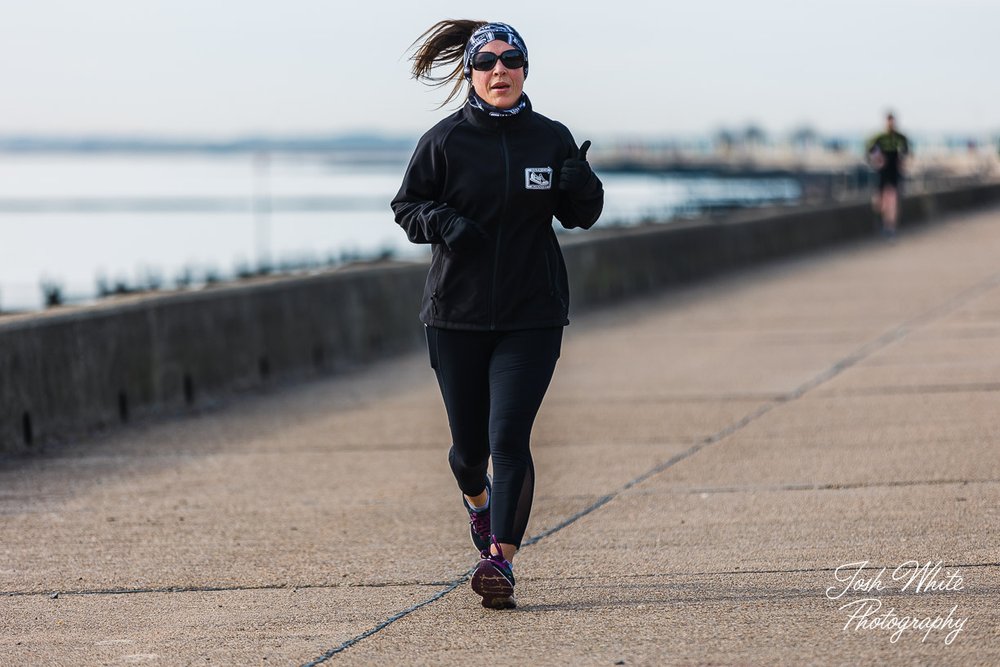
{"points": [[888, 178]]}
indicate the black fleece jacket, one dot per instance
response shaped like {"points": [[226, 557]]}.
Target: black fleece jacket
{"points": [[483, 190]]}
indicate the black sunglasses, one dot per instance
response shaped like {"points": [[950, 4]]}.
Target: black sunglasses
{"points": [[484, 61]]}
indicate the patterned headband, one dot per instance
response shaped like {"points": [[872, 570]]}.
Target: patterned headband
{"points": [[486, 34]]}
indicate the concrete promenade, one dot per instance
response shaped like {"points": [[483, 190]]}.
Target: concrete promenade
{"points": [[706, 461]]}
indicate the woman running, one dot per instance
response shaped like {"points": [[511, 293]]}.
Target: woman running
{"points": [[482, 188]]}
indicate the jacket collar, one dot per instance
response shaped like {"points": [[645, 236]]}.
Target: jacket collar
{"points": [[484, 121]]}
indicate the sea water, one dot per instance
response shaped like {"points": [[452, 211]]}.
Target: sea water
{"points": [[84, 222]]}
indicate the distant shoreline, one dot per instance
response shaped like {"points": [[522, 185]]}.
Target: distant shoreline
{"points": [[101, 144]]}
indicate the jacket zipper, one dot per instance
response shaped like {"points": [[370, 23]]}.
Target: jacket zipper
{"points": [[503, 213]]}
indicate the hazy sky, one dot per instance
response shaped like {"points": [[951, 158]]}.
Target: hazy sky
{"points": [[616, 67]]}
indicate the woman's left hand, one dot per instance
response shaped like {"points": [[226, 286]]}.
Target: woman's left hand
{"points": [[576, 172]]}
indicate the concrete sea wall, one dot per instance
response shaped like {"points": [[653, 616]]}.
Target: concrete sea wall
{"points": [[604, 267], [69, 371]]}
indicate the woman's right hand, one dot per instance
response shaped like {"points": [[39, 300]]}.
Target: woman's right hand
{"points": [[464, 234]]}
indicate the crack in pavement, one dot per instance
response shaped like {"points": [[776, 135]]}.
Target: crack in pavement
{"points": [[219, 589], [794, 570], [893, 390], [403, 584], [839, 486], [743, 597], [843, 364], [666, 399]]}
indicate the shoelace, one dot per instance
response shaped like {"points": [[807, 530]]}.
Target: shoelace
{"points": [[498, 556], [480, 523]]}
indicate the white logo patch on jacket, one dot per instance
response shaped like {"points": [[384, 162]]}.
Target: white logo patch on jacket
{"points": [[538, 178]]}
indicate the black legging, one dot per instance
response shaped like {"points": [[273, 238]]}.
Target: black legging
{"points": [[493, 383]]}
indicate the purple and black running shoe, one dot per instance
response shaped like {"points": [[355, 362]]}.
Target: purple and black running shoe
{"points": [[479, 521], [493, 580]]}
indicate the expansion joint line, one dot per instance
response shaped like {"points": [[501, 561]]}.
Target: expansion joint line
{"points": [[865, 351]]}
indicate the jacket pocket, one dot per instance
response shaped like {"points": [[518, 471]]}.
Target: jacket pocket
{"points": [[549, 270], [552, 269], [434, 286]]}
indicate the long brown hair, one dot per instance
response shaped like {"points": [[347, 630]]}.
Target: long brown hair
{"points": [[443, 44]]}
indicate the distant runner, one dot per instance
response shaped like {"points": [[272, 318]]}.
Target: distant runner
{"points": [[887, 153]]}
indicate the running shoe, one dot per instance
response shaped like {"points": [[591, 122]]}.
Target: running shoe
{"points": [[493, 580], [479, 521]]}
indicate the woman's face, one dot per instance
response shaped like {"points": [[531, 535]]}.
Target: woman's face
{"points": [[500, 87]]}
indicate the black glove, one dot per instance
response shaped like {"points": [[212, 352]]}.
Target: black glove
{"points": [[463, 234], [576, 172]]}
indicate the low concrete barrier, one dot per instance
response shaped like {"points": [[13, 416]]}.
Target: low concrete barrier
{"points": [[65, 372], [608, 266], [69, 371]]}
